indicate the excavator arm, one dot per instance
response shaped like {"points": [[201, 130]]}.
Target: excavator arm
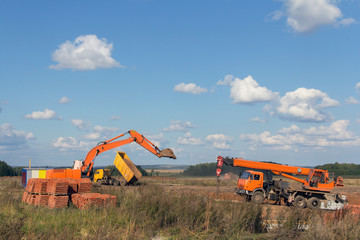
{"points": [[111, 144]]}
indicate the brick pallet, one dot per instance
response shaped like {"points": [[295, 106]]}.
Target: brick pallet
{"points": [[86, 200], [56, 193]]}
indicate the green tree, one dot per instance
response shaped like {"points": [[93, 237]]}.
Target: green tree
{"points": [[342, 169], [6, 170]]}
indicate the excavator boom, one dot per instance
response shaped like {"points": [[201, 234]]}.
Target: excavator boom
{"points": [[111, 144]]}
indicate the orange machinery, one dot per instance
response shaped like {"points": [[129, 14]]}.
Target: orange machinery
{"points": [[257, 187], [85, 167]]}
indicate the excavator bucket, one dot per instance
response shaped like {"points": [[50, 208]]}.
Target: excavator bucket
{"points": [[167, 152]]}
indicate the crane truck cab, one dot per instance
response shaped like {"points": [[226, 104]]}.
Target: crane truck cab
{"points": [[250, 181]]}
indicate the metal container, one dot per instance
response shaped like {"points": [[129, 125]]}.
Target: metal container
{"points": [[126, 167], [28, 173]]}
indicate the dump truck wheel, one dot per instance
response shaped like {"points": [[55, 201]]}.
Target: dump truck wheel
{"points": [[314, 203], [257, 198], [300, 202]]}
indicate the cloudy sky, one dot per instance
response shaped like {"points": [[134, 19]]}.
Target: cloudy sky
{"points": [[264, 80]]}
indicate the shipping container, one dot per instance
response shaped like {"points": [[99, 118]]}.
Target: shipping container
{"points": [[63, 173], [28, 173]]}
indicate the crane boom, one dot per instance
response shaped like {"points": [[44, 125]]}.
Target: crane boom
{"points": [[275, 167]]}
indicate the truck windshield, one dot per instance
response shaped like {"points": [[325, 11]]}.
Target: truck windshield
{"points": [[245, 175]]}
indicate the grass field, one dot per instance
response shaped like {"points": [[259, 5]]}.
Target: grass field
{"points": [[163, 210]]}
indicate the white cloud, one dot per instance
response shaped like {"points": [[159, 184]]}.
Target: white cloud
{"points": [[335, 135], [11, 139], [80, 124], [189, 88], [46, 114], [64, 100], [352, 100], [100, 133], [189, 140], [179, 126], [308, 15], [158, 139], [247, 90], [257, 119], [357, 86], [93, 136], [219, 141], [70, 143], [305, 105], [228, 79], [88, 52], [347, 21], [115, 118], [276, 15]]}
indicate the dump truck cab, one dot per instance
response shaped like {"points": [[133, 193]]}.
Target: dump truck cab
{"points": [[102, 174], [250, 181], [103, 177]]}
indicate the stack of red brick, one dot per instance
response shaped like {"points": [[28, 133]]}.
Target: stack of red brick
{"points": [[57, 193], [85, 200]]}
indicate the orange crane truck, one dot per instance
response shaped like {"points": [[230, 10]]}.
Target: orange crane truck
{"points": [[257, 185], [84, 168]]}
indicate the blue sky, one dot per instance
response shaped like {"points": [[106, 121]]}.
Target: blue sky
{"points": [[263, 80]]}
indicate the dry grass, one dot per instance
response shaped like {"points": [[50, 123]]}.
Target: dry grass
{"points": [[166, 171], [148, 211], [352, 181]]}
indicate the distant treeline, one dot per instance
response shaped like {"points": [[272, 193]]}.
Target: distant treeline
{"points": [[209, 169], [342, 169], [6, 170]]}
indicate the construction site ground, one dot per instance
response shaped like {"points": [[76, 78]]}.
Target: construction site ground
{"points": [[208, 187]]}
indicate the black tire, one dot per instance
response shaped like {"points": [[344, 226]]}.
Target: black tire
{"points": [[314, 203], [300, 202], [257, 198]]}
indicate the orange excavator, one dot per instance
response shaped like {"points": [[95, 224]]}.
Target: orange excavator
{"points": [[88, 163], [259, 185], [84, 168]]}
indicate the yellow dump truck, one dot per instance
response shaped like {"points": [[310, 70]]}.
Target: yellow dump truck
{"points": [[103, 177], [127, 168]]}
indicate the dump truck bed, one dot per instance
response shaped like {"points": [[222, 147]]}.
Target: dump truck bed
{"points": [[126, 167]]}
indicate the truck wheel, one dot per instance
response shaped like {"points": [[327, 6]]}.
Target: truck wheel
{"points": [[257, 198], [314, 203], [300, 202]]}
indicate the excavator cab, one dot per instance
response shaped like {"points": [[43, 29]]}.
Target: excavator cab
{"points": [[250, 180]]}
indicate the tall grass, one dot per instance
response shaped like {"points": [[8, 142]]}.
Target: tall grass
{"points": [[149, 211]]}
